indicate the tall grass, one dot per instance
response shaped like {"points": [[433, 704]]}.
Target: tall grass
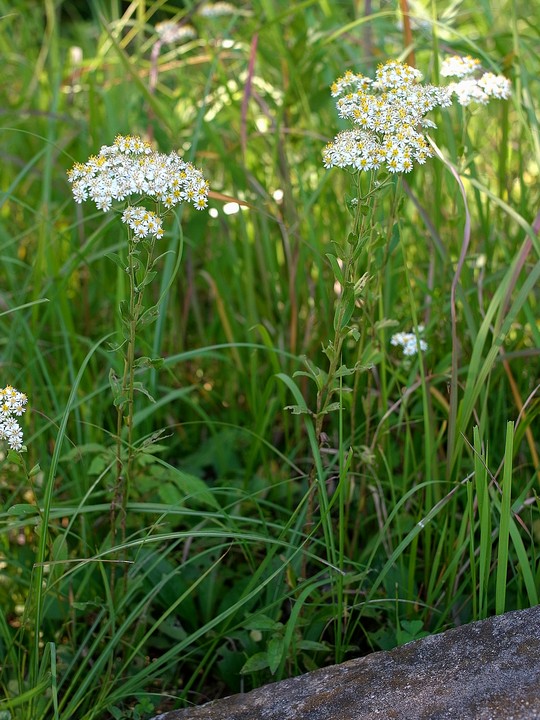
{"points": [[426, 511]]}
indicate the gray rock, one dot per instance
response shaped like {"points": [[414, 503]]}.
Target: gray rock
{"points": [[488, 670]]}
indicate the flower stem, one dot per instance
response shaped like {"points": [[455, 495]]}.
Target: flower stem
{"points": [[334, 349], [125, 402]]}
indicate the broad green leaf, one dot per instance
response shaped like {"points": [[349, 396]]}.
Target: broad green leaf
{"points": [[261, 622], [256, 662], [148, 278], [22, 509], [182, 488], [14, 457], [274, 652]]}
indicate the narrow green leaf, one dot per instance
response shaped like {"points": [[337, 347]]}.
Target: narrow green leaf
{"points": [[343, 371], [484, 516], [298, 410], [504, 523], [116, 386], [524, 564], [394, 240], [359, 247], [336, 269], [155, 363], [345, 308], [149, 316], [312, 646], [139, 387], [117, 260], [125, 313], [331, 407]]}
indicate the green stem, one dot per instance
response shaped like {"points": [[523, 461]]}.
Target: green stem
{"points": [[128, 388], [334, 350], [349, 276], [136, 310]]}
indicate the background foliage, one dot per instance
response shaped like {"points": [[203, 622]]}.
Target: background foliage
{"points": [[430, 520]]}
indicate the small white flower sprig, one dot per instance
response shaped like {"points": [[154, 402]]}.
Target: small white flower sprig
{"points": [[216, 9], [409, 342], [12, 403], [130, 167], [171, 32], [387, 113], [472, 87]]}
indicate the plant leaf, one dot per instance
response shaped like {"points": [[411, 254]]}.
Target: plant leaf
{"points": [[274, 652], [139, 387], [256, 662], [338, 273], [298, 410], [117, 260]]}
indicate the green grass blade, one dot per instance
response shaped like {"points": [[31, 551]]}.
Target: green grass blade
{"points": [[504, 522]]}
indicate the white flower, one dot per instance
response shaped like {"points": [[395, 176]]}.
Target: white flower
{"points": [[349, 81], [216, 9], [457, 66], [408, 342], [170, 32], [496, 86], [143, 222], [12, 402], [474, 89], [469, 91], [396, 75]]}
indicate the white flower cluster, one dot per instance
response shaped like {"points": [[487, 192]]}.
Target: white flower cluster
{"points": [[12, 403], [350, 82], [143, 222], [130, 168], [171, 32], [471, 89], [457, 66], [388, 113], [216, 9], [408, 342]]}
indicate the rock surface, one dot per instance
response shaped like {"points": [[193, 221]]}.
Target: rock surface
{"points": [[488, 670]]}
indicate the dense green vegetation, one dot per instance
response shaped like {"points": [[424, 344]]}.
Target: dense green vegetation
{"points": [[258, 536]]}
